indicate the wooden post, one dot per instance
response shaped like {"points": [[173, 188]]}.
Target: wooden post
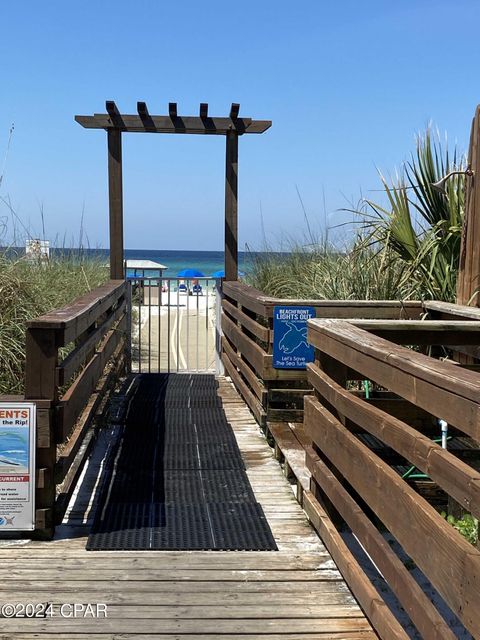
{"points": [[115, 195], [128, 338], [40, 384], [231, 207], [468, 284]]}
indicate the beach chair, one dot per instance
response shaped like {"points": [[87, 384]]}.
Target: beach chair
{"points": [[197, 290], [182, 288]]}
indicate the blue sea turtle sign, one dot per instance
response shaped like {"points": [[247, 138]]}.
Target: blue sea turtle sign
{"points": [[290, 347]]}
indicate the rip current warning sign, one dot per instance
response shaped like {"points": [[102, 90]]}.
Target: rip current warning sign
{"points": [[17, 466]]}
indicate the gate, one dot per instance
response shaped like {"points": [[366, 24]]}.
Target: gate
{"points": [[173, 324]]}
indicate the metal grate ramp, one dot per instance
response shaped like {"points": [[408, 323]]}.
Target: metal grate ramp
{"points": [[176, 478]]}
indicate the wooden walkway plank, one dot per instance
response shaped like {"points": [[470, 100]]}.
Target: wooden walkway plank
{"points": [[295, 593]]}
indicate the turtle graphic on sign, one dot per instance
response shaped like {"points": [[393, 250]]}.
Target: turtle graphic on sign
{"points": [[290, 345], [295, 338]]}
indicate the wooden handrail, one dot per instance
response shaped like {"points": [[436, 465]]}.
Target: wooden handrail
{"points": [[260, 303], [447, 309], [342, 459], [441, 388], [457, 478], [73, 319], [424, 332], [357, 447], [97, 325], [247, 324]]}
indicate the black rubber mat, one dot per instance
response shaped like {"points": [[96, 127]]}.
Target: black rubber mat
{"points": [[176, 479]]}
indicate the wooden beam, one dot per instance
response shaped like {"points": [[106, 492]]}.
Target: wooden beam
{"points": [[115, 197], [234, 110], [78, 316], [231, 207], [203, 110], [423, 332], [469, 267], [142, 110], [145, 116], [40, 363], [185, 124], [445, 310], [111, 108], [113, 113]]}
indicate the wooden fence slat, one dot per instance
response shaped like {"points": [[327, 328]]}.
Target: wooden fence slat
{"points": [[248, 348], [449, 561], [441, 388], [248, 396], [411, 596], [249, 375], [67, 368], [259, 331], [444, 375], [258, 302], [454, 476], [73, 402], [247, 296], [382, 619]]}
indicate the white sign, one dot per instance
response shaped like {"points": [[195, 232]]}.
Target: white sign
{"points": [[17, 466]]}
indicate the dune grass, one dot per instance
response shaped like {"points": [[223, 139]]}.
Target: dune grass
{"points": [[323, 272], [29, 289], [407, 246]]}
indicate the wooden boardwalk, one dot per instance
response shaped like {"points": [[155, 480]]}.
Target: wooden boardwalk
{"points": [[295, 593]]}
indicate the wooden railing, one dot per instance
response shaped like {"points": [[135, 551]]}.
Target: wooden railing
{"points": [[361, 442], [372, 409], [247, 326], [68, 373]]}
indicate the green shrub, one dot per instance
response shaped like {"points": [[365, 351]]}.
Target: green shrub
{"points": [[467, 525]]}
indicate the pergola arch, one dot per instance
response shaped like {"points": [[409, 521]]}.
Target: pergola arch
{"points": [[116, 123]]}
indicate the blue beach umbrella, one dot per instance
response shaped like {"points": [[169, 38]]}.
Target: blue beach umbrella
{"points": [[190, 273], [221, 274]]}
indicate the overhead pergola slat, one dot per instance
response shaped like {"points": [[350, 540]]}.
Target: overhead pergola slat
{"points": [[115, 123], [181, 124], [234, 110]]}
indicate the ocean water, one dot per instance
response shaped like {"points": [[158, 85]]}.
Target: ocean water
{"points": [[205, 261], [14, 447]]}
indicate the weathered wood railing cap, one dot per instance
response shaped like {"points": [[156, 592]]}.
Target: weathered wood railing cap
{"points": [[263, 304], [440, 326], [76, 317], [448, 308], [326, 334]]}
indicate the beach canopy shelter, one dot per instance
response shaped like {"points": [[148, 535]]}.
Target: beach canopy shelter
{"points": [[144, 269], [115, 123]]}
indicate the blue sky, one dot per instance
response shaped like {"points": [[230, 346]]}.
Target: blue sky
{"points": [[347, 85]]}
